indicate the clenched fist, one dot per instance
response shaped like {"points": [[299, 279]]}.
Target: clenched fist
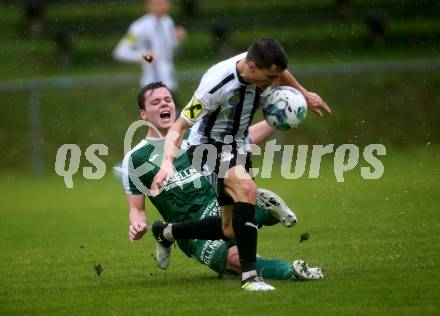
{"points": [[137, 230]]}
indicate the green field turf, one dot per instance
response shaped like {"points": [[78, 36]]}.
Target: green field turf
{"points": [[377, 240]]}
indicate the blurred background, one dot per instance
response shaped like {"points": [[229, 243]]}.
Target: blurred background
{"points": [[376, 63]]}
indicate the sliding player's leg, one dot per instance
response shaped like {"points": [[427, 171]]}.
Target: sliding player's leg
{"points": [[223, 258], [266, 268], [275, 268], [270, 210], [165, 234]]}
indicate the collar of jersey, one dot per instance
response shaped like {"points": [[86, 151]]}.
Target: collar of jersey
{"points": [[240, 78], [154, 139]]}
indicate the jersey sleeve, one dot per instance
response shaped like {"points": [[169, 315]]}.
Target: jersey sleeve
{"points": [[202, 102], [127, 183], [132, 45]]}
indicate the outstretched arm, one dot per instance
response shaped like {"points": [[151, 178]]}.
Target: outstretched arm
{"points": [[173, 141], [131, 47], [314, 101], [138, 220], [260, 132], [128, 49]]}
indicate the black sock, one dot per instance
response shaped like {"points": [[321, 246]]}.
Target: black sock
{"points": [[209, 228], [245, 228]]}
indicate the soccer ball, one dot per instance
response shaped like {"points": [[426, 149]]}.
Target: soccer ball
{"points": [[285, 108]]}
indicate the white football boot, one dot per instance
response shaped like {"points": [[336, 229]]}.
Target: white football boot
{"points": [[302, 271], [163, 246], [163, 255], [256, 284], [276, 206]]}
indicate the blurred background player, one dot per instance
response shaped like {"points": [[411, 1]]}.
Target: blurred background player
{"points": [[153, 34], [182, 200]]}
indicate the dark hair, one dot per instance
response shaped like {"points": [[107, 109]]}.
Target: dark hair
{"points": [[151, 86], [266, 52]]}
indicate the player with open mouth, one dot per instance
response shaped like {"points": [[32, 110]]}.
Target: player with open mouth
{"points": [[183, 201]]}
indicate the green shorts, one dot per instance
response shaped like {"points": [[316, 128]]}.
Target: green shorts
{"points": [[212, 253]]}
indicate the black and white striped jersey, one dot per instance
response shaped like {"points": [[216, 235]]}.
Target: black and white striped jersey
{"points": [[223, 104]]}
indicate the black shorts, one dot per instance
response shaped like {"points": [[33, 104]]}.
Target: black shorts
{"points": [[214, 160]]}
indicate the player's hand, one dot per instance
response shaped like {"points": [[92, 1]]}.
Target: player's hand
{"points": [[181, 33], [148, 57], [316, 104], [137, 230], [165, 173]]}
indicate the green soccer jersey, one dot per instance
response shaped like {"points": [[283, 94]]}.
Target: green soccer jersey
{"points": [[186, 192]]}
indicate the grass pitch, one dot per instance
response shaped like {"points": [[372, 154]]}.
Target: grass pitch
{"points": [[378, 242]]}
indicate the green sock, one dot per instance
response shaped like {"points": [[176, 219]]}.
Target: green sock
{"points": [[264, 218], [274, 269]]}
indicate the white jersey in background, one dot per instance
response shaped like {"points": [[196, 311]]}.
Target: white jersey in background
{"points": [[223, 104], [151, 34]]}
